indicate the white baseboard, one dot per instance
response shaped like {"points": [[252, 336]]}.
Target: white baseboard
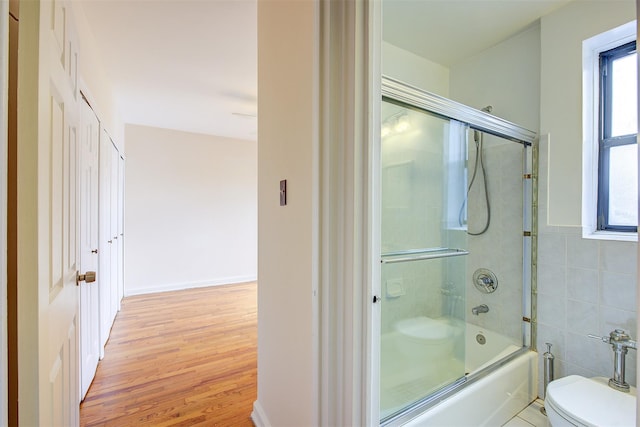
{"points": [[258, 416], [188, 285]]}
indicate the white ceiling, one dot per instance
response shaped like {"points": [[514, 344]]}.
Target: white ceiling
{"points": [[192, 64], [448, 31], [181, 64]]}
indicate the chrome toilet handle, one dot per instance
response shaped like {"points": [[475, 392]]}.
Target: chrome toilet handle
{"points": [[620, 341]]}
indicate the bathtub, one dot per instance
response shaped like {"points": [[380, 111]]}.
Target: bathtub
{"points": [[501, 381]]}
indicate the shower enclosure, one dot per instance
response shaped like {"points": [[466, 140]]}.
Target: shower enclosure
{"points": [[456, 240]]}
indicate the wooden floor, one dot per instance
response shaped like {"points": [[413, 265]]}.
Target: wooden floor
{"points": [[181, 358]]}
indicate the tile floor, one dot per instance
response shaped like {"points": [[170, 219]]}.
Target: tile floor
{"points": [[530, 416]]}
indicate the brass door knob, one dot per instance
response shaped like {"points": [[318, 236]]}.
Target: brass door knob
{"points": [[88, 277]]}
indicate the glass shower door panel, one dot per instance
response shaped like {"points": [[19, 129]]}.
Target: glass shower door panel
{"points": [[423, 179], [423, 338], [424, 244]]}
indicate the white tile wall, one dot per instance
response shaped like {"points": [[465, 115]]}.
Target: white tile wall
{"points": [[585, 287], [500, 249]]}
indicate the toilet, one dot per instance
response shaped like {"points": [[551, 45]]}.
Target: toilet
{"points": [[423, 338], [580, 401]]}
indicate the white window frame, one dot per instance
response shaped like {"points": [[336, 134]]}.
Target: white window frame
{"points": [[591, 49]]}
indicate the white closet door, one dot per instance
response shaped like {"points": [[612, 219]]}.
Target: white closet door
{"points": [[106, 241], [88, 201], [113, 226], [120, 230]]}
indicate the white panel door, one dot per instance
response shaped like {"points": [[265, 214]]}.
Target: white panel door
{"points": [[120, 230], [47, 217], [88, 201], [105, 240], [113, 217]]}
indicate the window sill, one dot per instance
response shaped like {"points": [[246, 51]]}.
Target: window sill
{"points": [[610, 235]]}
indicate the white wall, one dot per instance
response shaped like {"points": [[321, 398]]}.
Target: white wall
{"points": [[505, 76], [414, 70], [561, 96], [190, 217], [287, 64], [94, 82]]}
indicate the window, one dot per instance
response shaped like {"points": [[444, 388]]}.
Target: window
{"points": [[618, 149], [609, 128]]}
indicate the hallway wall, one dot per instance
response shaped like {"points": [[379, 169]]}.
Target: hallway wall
{"points": [[94, 81], [190, 210], [288, 353]]}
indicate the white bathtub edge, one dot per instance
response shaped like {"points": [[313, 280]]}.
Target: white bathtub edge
{"points": [[490, 401]]}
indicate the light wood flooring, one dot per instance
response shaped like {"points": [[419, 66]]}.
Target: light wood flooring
{"points": [[181, 358]]}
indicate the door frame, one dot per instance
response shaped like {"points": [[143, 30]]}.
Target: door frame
{"points": [[349, 114], [4, 97]]}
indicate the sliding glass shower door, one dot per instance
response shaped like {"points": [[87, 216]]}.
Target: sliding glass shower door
{"points": [[457, 213], [424, 246]]}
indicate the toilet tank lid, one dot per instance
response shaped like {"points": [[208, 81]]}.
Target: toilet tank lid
{"points": [[592, 402], [425, 328]]}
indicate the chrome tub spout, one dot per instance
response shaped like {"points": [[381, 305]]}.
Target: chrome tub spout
{"points": [[483, 308]]}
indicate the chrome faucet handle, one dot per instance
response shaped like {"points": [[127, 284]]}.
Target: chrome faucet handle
{"points": [[598, 337]]}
